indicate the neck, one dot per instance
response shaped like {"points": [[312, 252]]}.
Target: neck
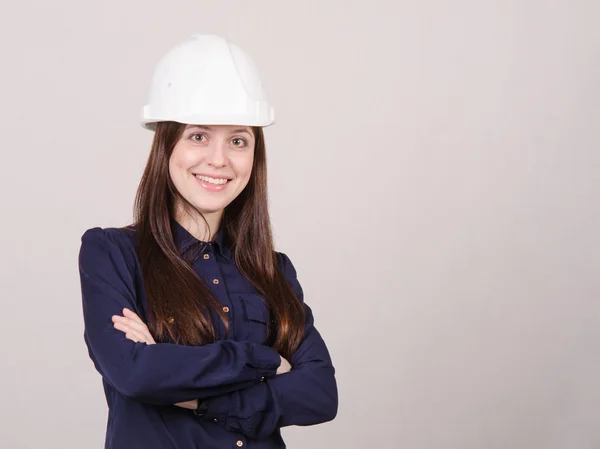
{"points": [[193, 222]]}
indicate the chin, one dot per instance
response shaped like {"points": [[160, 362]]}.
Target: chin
{"points": [[209, 208]]}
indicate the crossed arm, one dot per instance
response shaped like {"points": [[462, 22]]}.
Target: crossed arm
{"points": [[137, 331], [227, 373]]}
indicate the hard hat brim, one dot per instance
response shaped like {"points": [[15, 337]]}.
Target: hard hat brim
{"points": [[225, 119]]}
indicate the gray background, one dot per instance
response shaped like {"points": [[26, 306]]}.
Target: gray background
{"points": [[433, 176]]}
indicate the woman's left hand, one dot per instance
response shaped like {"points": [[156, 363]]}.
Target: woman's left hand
{"points": [[133, 326]]}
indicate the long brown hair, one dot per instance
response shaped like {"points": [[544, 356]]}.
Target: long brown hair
{"points": [[178, 301]]}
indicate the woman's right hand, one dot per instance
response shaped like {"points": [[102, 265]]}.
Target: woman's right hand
{"points": [[285, 367]]}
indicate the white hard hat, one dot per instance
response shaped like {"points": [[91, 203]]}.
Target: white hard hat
{"points": [[207, 80]]}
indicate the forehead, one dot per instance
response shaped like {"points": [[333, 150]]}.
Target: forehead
{"points": [[231, 129]]}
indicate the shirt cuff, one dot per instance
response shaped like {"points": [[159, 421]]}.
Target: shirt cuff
{"points": [[218, 410], [267, 361]]}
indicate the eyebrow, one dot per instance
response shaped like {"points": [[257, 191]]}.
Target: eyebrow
{"points": [[208, 128]]}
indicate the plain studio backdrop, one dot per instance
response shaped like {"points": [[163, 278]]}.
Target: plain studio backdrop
{"points": [[433, 175]]}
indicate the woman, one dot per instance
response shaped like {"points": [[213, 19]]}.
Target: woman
{"points": [[197, 326]]}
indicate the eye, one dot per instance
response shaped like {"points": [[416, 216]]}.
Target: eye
{"points": [[239, 142], [198, 137]]}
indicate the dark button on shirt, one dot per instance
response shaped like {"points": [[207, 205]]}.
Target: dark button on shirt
{"points": [[247, 402]]}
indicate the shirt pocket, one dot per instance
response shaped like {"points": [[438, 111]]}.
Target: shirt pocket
{"points": [[255, 319]]}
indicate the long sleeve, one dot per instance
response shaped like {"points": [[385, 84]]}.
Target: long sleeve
{"points": [[306, 395], [160, 374]]}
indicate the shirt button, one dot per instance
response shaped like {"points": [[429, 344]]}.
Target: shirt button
{"points": [[262, 379], [226, 309], [240, 443], [216, 281], [215, 420], [206, 256]]}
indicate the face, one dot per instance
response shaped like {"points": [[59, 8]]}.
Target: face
{"points": [[211, 165]]}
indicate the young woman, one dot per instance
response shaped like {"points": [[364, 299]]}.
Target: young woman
{"points": [[197, 326]]}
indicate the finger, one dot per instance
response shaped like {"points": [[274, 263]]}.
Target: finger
{"points": [[123, 327], [143, 339], [133, 337], [136, 322], [141, 328], [131, 314], [139, 336], [138, 326]]}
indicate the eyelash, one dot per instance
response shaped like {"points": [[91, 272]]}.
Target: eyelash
{"points": [[204, 135]]}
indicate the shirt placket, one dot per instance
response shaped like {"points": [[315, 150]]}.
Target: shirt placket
{"points": [[208, 268]]}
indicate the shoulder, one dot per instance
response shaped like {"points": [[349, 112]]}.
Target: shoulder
{"points": [[286, 265], [289, 272], [108, 245], [122, 237]]}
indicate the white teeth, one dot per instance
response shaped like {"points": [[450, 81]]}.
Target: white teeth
{"points": [[212, 180]]}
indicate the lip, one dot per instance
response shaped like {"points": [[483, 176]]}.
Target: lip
{"points": [[212, 187]]}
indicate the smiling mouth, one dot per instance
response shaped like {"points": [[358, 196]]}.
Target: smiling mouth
{"points": [[215, 181]]}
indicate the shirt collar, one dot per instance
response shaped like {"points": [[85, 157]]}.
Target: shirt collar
{"points": [[184, 240]]}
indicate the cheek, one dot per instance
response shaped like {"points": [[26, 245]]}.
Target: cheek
{"points": [[175, 168], [244, 166], [181, 160], [178, 166]]}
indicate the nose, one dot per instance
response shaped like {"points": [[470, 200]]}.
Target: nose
{"points": [[216, 156]]}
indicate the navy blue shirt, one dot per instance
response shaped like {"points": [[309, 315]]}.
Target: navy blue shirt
{"points": [[247, 402]]}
